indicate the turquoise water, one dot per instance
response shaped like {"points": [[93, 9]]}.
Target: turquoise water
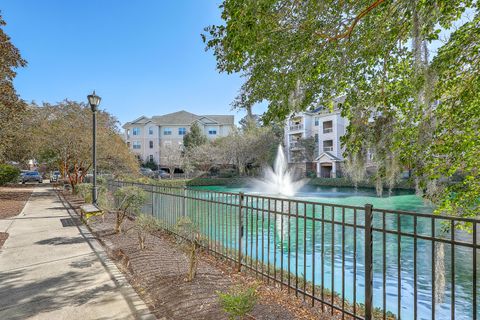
{"points": [[272, 240]]}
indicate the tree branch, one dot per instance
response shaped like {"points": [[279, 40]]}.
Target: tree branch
{"points": [[349, 30]]}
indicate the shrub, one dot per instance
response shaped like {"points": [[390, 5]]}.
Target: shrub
{"points": [[8, 174], [191, 241], [128, 200], [238, 301], [84, 190], [145, 225]]}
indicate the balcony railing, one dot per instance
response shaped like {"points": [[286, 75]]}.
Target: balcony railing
{"points": [[296, 127], [328, 149], [327, 130], [295, 145]]}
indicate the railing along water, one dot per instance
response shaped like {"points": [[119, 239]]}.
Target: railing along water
{"points": [[360, 261]]}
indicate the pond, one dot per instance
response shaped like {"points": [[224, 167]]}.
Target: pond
{"points": [[338, 244]]}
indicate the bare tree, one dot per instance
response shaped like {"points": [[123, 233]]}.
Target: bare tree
{"points": [[172, 157]]}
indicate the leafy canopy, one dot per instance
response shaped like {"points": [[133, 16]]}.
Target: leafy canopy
{"points": [[411, 108]]}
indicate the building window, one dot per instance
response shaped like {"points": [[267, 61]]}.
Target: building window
{"points": [[317, 121], [212, 131], [182, 131], [316, 137], [327, 126], [151, 144], [328, 145], [136, 131], [150, 158], [150, 130], [167, 131], [128, 144], [136, 145]]}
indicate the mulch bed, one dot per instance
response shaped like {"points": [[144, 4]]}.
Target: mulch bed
{"points": [[158, 272], [3, 238], [13, 198]]}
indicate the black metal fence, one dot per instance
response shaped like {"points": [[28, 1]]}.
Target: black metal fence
{"points": [[360, 261]]}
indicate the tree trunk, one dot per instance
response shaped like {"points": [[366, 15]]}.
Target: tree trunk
{"points": [[118, 221]]}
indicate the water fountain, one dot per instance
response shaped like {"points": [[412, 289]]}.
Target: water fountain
{"points": [[278, 180]]}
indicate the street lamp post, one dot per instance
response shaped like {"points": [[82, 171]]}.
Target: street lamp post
{"points": [[94, 101]]}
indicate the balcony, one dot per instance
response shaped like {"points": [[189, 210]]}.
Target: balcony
{"points": [[295, 145], [296, 127], [326, 149], [327, 130]]}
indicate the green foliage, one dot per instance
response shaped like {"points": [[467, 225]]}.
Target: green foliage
{"points": [[84, 190], [347, 182], [8, 174], [410, 109], [128, 200], [150, 164], [12, 108], [194, 137], [146, 224], [238, 301]]}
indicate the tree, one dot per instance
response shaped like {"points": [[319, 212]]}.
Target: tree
{"points": [[376, 53], [307, 151], [128, 200], [11, 107], [194, 138], [172, 158], [252, 147], [202, 157], [61, 136]]}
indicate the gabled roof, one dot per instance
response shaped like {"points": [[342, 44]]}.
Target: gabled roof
{"points": [[222, 119], [327, 155], [179, 117], [184, 118], [140, 120]]}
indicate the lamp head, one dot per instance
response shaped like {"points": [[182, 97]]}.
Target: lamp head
{"points": [[94, 101]]}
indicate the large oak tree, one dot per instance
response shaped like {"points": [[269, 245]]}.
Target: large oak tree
{"points": [[415, 108]]}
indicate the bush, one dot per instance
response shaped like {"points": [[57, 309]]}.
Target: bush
{"points": [[145, 225], [191, 241], [238, 301], [8, 174], [128, 200], [84, 190]]}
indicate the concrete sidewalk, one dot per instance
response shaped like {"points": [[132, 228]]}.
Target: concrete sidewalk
{"points": [[51, 269]]}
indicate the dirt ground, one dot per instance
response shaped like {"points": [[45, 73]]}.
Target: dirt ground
{"points": [[13, 198], [158, 272]]}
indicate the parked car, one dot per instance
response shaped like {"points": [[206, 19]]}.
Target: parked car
{"points": [[146, 172], [54, 176], [32, 176], [161, 174]]}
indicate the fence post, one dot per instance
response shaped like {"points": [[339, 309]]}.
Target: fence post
{"points": [[184, 206], [240, 231], [152, 195], [368, 261]]}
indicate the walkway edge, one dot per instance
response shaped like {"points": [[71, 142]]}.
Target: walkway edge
{"points": [[136, 304]]}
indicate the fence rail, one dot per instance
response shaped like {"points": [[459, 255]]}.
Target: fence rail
{"points": [[361, 261]]}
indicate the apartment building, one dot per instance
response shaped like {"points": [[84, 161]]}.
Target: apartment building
{"points": [[327, 126], [151, 138]]}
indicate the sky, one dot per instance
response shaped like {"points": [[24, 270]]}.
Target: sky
{"points": [[142, 57]]}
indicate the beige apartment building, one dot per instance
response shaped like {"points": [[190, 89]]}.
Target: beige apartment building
{"points": [[151, 138]]}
